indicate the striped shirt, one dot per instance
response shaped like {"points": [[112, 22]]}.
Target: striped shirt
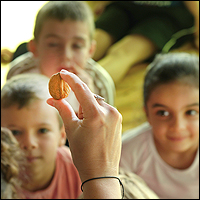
{"points": [[104, 85]]}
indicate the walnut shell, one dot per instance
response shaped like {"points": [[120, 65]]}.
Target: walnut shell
{"points": [[58, 88]]}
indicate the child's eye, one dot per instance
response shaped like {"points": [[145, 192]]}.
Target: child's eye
{"points": [[43, 130], [191, 112], [163, 113], [15, 132], [77, 46], [53, 44]]}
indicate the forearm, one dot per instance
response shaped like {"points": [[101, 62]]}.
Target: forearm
{"points": [[95, 139]]}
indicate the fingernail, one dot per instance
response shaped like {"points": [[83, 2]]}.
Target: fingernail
{"points": [[63, 71], [50, 102]]}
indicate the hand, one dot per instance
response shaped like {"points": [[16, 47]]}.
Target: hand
{"points": [[6, 56], [83, 75], [94, 135]]}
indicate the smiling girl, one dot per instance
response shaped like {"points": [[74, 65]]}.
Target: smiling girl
{"points": [[165, 151]]}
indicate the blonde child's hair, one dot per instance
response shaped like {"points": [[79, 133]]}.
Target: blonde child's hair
{"points": [[23, 89], [62, 10], [12, 159]]}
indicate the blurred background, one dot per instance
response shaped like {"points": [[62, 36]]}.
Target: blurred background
{"points": [[17, 22]]}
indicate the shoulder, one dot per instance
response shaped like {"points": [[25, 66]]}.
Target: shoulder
{"points": [[137, 140], [64, 154], [66, 176], [25, 63], [136, 147], [96, 69], [22, 59], [102, 80], [139, 133], [65, 168]]}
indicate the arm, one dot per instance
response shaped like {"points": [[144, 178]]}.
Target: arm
{"points": [[193, 7], [94, 138], [98, 6]]}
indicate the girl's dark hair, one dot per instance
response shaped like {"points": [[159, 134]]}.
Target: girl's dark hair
{"points": [[170, 67]]}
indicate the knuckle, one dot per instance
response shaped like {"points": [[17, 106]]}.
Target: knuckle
{"points": [[80, 86], [115, 114], [99, 117]]}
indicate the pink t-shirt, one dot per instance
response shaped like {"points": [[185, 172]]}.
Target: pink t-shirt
{"points": [[65, 184]]}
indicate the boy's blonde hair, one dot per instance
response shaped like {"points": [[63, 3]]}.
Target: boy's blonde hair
{"points": [[62, 10], [23, 89]]}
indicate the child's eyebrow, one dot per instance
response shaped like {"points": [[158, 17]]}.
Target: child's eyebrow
{"points": [[161, 105], [158, 105], [194, 104], [57, 36], [80, 38], [51, 35]]}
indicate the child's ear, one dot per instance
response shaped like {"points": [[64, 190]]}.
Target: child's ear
{"points": [[32, 47], [63, 137], [92, 48]]}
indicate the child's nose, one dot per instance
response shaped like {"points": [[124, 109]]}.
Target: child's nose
{"points": [[67, 53], [67, 60], [29, 142], [178, 124]]}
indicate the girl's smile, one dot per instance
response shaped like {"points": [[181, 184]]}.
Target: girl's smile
{"points": [[174, 117]]}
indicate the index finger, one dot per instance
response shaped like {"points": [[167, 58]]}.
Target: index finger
{"points": [[83, 94]]}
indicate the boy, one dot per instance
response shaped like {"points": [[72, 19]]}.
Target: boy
{"points": [[63, 39], [40, 132]]}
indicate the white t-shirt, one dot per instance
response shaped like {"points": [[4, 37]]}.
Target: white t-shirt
{"points": [[139, 155]]}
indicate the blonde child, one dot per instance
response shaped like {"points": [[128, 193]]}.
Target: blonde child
{"points": [[12, 159], [63, 39], [39, 130], [165, 151]]}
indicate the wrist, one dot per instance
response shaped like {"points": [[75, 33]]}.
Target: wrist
{"points": [[99, 171], [103, 188]]}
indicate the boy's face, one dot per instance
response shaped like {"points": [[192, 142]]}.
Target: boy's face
{"points": [[36, 127], [173, 112], [62, 45]]}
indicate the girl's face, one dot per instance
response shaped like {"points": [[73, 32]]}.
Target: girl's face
{"points": [[173, 112], [36, 127]]}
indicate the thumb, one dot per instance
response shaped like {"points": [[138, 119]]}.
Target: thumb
{"points": [[65, 110]]}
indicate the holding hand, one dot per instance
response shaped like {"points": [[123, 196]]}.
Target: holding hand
{"points": [[94, 138]]}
